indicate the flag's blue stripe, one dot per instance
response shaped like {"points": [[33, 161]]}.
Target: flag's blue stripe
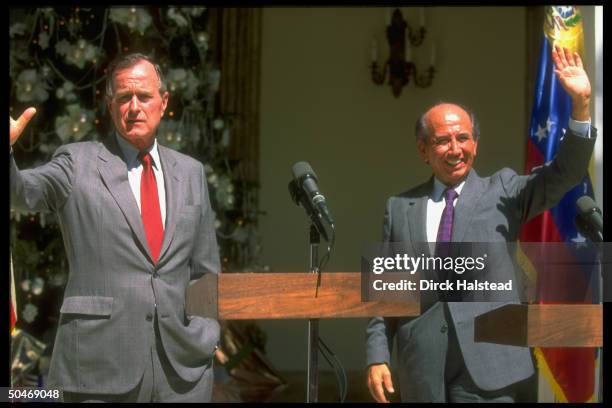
{"points": [[551, 112]]}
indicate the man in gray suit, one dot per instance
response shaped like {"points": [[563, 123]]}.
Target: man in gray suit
{"points": [[438, 358], [138, 228]]}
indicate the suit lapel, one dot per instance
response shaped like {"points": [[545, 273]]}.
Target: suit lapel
{"points": [[113, 172], [174, 197], [417, 218], [467, 206]]}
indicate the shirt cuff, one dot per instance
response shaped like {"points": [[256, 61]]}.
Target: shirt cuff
{"points": [[580, 128]]}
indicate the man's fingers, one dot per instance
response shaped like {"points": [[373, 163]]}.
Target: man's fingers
{"points": [[379, 379], [26, 116], [221, 357], [557, 58], [561, 54], [18, 125], [379, 393], [569, 57], [388, 382], [578, 60]]}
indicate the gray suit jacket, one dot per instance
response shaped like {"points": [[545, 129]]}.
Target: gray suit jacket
{"points": [[105, 330], [489, 209]]}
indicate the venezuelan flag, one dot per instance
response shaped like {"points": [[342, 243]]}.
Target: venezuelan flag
{"points": [[571, 371]]}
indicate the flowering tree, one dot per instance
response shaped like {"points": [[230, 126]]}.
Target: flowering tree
{"points": [[58, 60]]}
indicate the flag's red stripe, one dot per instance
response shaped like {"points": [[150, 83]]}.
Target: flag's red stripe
{"points": [[572, 368]]}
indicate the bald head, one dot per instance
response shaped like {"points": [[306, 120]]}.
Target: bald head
{"points": [[423, 125]]}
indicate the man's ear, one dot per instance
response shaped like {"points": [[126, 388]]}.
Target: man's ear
{"points": [[165, 97], [422, 148]]}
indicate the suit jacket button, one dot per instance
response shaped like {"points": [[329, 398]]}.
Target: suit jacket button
{"points": [[443, 329], [149, 317], [155, 274]]}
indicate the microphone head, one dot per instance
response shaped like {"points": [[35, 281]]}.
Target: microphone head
{"points": [[300, 169], [586, 205]]}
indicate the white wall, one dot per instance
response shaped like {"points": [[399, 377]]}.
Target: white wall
{"points": [[593, 48], [318, 104]]}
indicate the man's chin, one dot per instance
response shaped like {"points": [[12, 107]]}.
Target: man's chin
{"points": [[455, 178], [138, 139]]}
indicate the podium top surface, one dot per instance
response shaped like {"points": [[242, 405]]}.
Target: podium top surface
{"points": [[288, 295]]}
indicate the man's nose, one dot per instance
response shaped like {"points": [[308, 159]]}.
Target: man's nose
{"points": [[134, 106], [454, 146]]}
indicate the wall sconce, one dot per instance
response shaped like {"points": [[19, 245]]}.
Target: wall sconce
{"points": [[399, 66]]}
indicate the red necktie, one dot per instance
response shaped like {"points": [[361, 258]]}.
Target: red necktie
{"points": [[149, 204]]}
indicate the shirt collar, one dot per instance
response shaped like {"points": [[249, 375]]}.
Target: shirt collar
{"points": [[130, 153], [439, 187]]}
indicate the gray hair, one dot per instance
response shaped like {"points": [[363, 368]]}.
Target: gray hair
{"points": [[127, 61], [422, 124]]}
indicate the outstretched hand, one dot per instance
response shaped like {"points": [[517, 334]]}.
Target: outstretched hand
{"points": [[17, 126], [574, 80]]}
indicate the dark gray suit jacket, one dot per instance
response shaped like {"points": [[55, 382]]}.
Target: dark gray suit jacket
{"points": [[489, 209], [105, 330]]}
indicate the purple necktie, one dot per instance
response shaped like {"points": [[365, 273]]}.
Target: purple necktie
{"points": [[445, 229], [443, 240]]}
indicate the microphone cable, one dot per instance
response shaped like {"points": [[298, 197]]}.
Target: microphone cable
{"points": [[330, 246], [326, 352], [339, 371]]}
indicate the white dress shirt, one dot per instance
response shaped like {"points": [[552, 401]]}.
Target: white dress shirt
{"points": [[134, 166]]}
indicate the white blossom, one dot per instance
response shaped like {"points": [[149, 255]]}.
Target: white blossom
{"points": [[177, 17], [38, 286], [17, 29], [29, 313], [135, 18], [182, 81], [75, 125], [218, 124], [78, 54], [31, 87], [43, 40]]}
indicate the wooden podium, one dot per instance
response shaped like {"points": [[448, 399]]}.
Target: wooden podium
{"points": [[238, 296], [287, 295], [297, 295], [542, 325]]}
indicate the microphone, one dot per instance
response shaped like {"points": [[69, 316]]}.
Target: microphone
{"points": [[307, 180], [305, 191], [589, 219]]}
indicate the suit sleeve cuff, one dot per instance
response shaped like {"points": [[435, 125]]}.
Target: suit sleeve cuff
{"points": [[580, 128]]}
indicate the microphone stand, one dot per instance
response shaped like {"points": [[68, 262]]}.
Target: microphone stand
{"points": [[312, 382], [316, 230]]}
